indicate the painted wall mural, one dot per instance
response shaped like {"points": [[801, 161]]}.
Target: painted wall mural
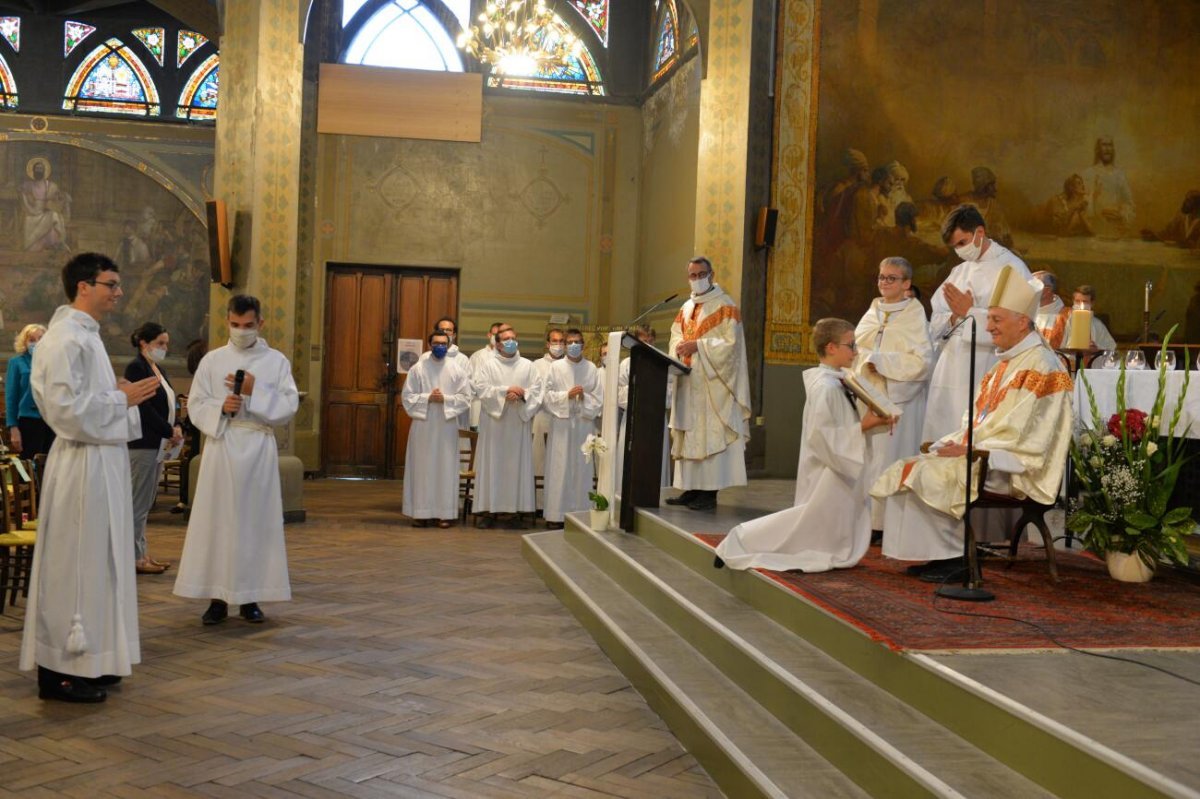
{"points": [[56, 200], [1066, 123]]}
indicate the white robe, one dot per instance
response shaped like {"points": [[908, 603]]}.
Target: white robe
{"points": [[894, 339], [541, 422], [473, 363], [235, 549], [830, 525], [947, 404], [431, 459], [568, 474], [455, 355], [83, 561], [504, 454]]}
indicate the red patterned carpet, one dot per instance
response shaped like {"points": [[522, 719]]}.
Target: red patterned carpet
{"points": [[1087, 608]]}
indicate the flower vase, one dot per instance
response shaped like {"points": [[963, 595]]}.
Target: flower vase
{"points": [[1126, 568], [599, 520]]}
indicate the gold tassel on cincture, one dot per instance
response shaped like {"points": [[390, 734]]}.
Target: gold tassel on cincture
{"points": [[77, 640]]}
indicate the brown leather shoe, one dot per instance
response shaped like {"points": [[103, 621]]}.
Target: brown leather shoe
{"points": [[149, 567], [445, 525]]}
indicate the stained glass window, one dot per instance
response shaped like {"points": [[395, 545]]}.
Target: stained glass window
{"points": [[579, 75], [152, 39], [188, 42], [666, 39], [113, 80], [198, 100], [596, 14], [404, 33], [74, 33], [8, 86], [693, 36], [10, 29]]}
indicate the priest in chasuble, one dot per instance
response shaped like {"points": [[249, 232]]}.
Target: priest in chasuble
{"points": [[711, 411], [1022, 417], [895, 356]]}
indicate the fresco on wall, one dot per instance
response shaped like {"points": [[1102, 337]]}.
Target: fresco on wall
{"points": [[1066, 123], [57, 200]]}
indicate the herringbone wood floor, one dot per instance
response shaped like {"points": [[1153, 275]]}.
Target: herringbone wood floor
{"points": [[411, 663]]}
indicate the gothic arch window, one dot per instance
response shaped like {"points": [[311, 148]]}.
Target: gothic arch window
{"points": [[411, 34], [579, 75], [8, 85], [198, 100], [112, 80], [665, 47]]}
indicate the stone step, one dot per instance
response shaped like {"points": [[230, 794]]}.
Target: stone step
{"points": [[745, 748], [883, 743]]}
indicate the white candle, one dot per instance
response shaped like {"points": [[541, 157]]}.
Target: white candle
{"points": [[1148, 285]]}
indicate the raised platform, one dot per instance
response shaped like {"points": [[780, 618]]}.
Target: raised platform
{"points": [[778, 695]]}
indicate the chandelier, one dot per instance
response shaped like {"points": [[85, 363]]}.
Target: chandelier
{"points": [[519, 37]]}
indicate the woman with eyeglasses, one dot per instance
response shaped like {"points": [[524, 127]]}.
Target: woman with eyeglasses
{"points": [[160, 433]]}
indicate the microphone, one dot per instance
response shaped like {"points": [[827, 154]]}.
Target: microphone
{"points": [[651, 310], [946, 336], [238, 377]]}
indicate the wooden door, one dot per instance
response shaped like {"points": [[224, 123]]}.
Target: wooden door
{"points": [[364, 429]]}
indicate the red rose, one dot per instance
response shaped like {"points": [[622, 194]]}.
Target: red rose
{"points": [[1135, 423]]}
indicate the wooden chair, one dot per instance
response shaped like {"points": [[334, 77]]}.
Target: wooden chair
{"points": [[16, 539], [467, 441], [1032, 512]]}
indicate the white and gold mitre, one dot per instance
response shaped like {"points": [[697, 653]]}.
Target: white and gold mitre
{"points": [[1014, 294]]}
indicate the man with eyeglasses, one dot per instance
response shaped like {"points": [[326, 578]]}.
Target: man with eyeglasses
{"points": [[711, 410], [895, 356], [81, 623]]}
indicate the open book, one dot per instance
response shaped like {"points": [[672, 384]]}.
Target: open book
{"points": [[870, 396]]}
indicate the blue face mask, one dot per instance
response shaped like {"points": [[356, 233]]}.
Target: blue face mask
{"points": [[509, 346], [440, 350], [30, 347], [574, 349]]}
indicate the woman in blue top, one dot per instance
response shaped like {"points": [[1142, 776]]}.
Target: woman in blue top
{"points": [[27, 433]]}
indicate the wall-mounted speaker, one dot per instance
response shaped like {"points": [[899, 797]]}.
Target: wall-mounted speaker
{"points": [[218, 243], [764, 229]]}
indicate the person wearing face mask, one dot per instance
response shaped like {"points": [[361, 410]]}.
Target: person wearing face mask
{"points": [[436, 395], [28, 433], [895, 356], [556, 349], [476, 360], [510, 395], [572, 399], [234, 551], [966, 292], [160, 432], [710, 414]]}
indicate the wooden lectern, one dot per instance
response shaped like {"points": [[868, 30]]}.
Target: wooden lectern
{"points": [[645, 416]]}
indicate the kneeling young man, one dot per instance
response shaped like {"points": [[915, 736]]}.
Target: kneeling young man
{"points": [[234, 551]]}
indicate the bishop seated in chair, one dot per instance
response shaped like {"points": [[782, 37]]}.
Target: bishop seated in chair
{"points": [[1022, 416]]}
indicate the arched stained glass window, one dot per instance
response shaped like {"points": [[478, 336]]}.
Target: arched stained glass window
{"points": [[579, 75], [666, 38], [152, 39], [8, 86], [403, 33], [113, 80], [596, 14], [198, 100]]}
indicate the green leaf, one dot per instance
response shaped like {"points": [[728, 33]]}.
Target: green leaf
{"points": [[1177, 516], [1139, 519]]}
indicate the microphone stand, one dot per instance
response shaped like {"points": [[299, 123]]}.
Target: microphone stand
{"points": [[972, 589], [649, 311]]}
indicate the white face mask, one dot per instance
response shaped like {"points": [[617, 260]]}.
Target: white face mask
{"points": [[243, 338], [158, 355], [701, 285], [970, 251], [555, 350]]}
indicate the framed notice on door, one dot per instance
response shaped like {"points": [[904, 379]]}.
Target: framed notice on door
{"points": [[408, 351]]}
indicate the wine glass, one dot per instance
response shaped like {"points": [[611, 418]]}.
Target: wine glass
{"points": [[1136, 359], [1169, 356], [1109, 360]]}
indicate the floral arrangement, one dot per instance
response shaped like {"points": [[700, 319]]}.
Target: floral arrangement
{"points": [[593, 446], [1128, 472]]}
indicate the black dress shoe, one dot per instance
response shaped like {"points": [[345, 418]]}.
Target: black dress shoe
{"points": [[105, 680], [717, 562], [703, 500], [252, 613], [682, 499], [216, 613], [948, 571], [67, 687], [917, 571]]}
